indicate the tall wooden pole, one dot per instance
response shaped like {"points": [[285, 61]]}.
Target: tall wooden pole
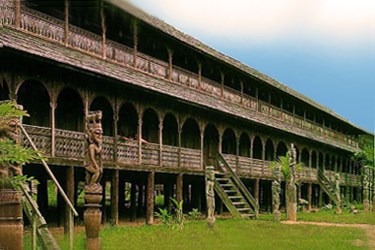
{"points": [[150, 198], [70, 194], [256, 190], [17, 10], [179, 187], [104, 30], [115, 196]]}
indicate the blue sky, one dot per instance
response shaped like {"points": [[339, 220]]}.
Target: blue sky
{"points": [[324, 49]]}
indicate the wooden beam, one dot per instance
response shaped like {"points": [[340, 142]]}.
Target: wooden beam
{"points": [[150, 198], [70, 193], [115, 196], [170, 64], [17, 18], [256, 190]]}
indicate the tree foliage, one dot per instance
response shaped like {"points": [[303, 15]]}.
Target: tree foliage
{"points": [[283, 163], [366, 155]]}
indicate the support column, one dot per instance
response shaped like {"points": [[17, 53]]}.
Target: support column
{"points": [[66, 22], [135, 39], [256, 191], [115, 131], [114, 196], [199, 75], [140, 139], [222, 84], [133, 202], [309, 196], [53, 105], [150, 198], [70, 194], [161, 142], [104, 30], [179, 187], [170, 63], [241, 85], [17, 17]]}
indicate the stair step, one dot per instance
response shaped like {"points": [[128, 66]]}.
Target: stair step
{"points": [[222, 179], [230, 191], [247, 215], [235, 197], [243, 209], [226, 185], [239, 203]]}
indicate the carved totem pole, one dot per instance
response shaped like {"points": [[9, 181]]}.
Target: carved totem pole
{"points": [[11, 226], [338, 194], [276, 190], [210, 195], [94, 172], [291, 186], [366, 188]]}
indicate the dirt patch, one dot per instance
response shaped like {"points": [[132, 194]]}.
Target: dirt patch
{"points": [[369, 229]]}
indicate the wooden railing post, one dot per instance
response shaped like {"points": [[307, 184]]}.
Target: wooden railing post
{"points": [[104, 30], [17, 14], [66, 22]]}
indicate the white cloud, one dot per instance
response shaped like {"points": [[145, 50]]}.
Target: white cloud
{"points": [[332, 22]]}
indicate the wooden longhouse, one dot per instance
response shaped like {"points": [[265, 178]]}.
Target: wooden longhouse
{"points": [[169, 103]]}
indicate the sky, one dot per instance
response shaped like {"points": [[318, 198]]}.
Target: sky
{"points": [[324, 49]]}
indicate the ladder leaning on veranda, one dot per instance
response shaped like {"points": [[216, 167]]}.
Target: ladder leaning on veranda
{"points": [[39, 225], [233, 192]]}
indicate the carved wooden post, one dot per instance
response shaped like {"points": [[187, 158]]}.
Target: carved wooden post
{"points": [[199, 75], [170, 63], [309, 196], [70, 193], [53, 105], [161, 142], [150, 198], [115, 196], [66, 22], [202, 146], [291, 194], [115, 132], [237, 154], [179, 187], [179, 144], [17, 20], [104, 30], [241, 85], [135, 39], [222, 75], [210, 195], [133, 202], [140, 138], [94, 172], [256, 190]]}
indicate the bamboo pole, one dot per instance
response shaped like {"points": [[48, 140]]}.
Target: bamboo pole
{"points": [[45, 165]]}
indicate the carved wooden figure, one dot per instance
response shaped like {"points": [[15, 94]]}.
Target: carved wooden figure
{"points": [[291, 186], [338, 193], [210, 195], [276, 190]]}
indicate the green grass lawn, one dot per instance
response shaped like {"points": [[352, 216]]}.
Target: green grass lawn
{"points": [[227, 234], [330, 216]]}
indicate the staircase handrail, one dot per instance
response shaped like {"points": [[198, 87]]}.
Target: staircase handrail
{"points": [[240, 184]]}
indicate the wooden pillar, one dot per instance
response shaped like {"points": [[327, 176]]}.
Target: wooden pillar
{"points": [[104, 205], [170, 63], [133, 202], [66, 22], [135, 39], [179, 144], [104, 30], [53, 105], [140, 199], [222, 75], [150, 198], [179, 187], [70, 194], [140, 139], [199, 75], [320, 196], [256, 190], [309, 196], [115, 132], [202, 146], [241, 85], [17, 21], [115, 196], [161, 142]]}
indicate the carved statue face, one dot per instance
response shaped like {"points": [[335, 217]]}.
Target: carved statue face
{"points": [[97, 136], [10, 129]]}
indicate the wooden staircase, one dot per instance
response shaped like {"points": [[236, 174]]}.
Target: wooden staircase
{"points": [[37, 221], [232, 191], [328, 186]]}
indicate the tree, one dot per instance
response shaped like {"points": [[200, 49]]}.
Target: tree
{"points": [[12, 154]]}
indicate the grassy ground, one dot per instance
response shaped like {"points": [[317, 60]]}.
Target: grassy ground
{"points": [[330, 216], [227, 234]]}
